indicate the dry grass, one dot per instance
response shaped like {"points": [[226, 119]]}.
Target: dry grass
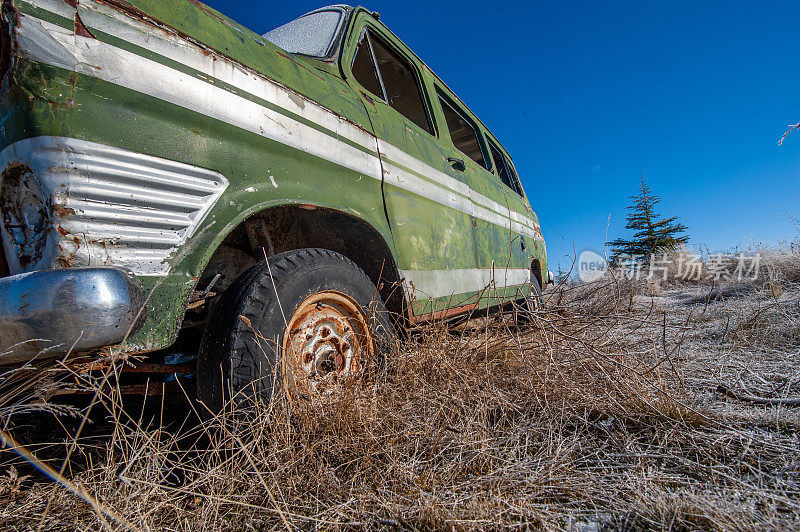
{"points": [[782, 264], [600, 415]]}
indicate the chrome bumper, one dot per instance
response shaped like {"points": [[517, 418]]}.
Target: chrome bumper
{"points": [[53, 312]]}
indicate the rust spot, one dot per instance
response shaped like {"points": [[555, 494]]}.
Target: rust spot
{"points": [[208, 11], [62, 231], [125, 4], [368, 98], [73, 3], [63, 212], [322, 353], [81, 30]]}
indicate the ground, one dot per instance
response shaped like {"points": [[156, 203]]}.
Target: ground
{"points": [[620, 405]]}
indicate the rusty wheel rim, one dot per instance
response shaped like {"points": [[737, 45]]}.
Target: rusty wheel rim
{"points": [[326, 346]]}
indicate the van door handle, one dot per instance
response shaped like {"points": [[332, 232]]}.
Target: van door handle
{"points": [[457, 164]]}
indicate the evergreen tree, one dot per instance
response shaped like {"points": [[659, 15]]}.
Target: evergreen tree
{"points": [[651, 232]]}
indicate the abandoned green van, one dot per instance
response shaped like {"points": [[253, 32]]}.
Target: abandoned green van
{"points": [[172, 180]]}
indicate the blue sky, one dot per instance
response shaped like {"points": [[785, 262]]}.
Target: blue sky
{"points": [[586, 95]]}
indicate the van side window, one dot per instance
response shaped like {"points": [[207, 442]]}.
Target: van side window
{"points": [[398, 82], [462, 132], [512, 174], [364, 67], [504, 170]]}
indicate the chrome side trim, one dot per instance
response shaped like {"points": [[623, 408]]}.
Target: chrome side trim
{"points": [[105, 205], [53, 312]]}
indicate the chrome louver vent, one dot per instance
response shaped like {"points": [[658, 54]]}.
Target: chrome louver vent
{"points": [[108, 205]]}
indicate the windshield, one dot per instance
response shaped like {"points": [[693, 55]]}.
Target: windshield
{"points": [[312, 34]]}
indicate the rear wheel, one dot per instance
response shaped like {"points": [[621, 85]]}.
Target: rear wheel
{"points": [[525, 309], [307, 321], [534, 301]]}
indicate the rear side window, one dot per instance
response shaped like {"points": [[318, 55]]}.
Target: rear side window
{"points": [[312, 34], [504, 169], [397, 83], [364, 68], [462, 132]]}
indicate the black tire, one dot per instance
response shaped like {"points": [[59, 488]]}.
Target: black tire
{"points": [[240, 352], [524, 309], [535, 299]]}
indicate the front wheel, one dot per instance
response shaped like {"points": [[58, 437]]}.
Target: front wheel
{"points": [[307, 321]]}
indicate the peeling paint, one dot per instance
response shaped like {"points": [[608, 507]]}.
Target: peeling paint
{"points": [[80, 28]]}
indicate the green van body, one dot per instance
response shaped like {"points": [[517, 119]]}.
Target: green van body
{"points": [[162, 137]]}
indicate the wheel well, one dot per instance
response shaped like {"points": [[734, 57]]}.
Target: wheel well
{"points": [[291, 227], [536, 270]]}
